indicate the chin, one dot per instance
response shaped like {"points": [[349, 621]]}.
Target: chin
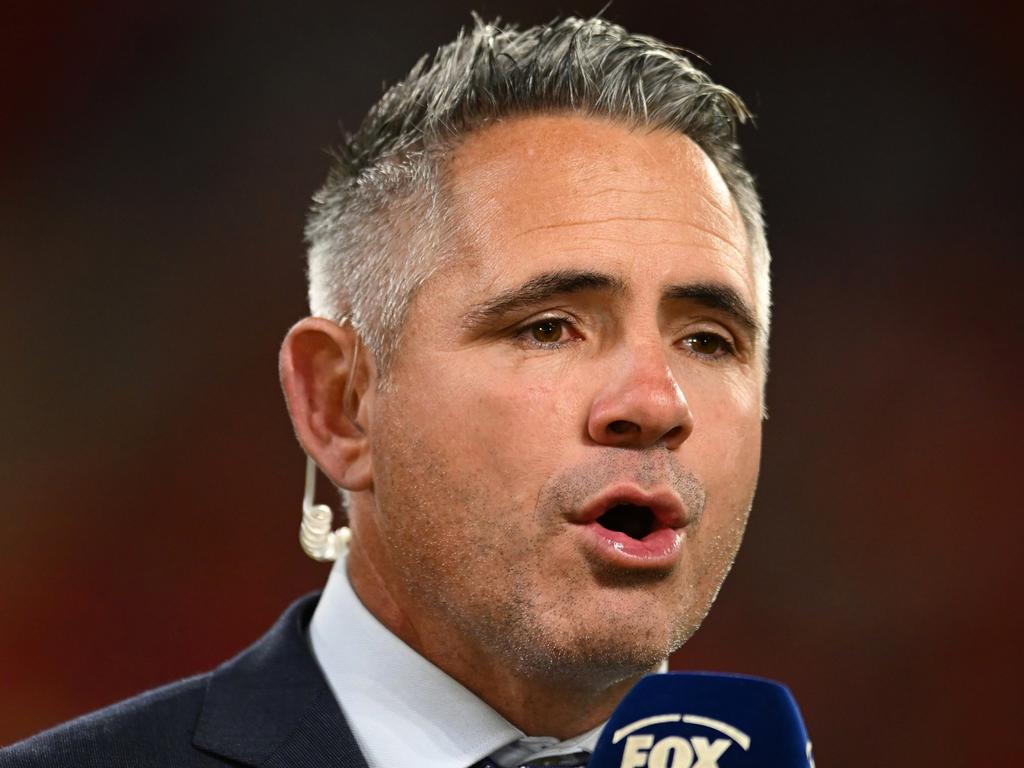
{"points": [[592, 661], [605, 648]]}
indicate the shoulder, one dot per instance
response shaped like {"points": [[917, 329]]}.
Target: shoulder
{"points": [[270, 702], [152, 729]]}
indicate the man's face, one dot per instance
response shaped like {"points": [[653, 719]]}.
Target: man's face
{"points": [[566, 452]]}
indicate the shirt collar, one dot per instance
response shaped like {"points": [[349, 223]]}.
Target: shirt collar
{"points": [[401, 708], [537, 747]]}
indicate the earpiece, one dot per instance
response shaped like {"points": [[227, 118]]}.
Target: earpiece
{"points": [[315, 534]]}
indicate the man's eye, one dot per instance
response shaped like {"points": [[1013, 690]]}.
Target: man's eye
{"points": [[708, 344], [547, 331], [551, 330]]}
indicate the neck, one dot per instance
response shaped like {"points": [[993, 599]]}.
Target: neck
{"points": [[561, 703]]}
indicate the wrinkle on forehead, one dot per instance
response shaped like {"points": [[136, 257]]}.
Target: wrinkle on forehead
{"points": [[534, 177], [606, 191], [590, 223]]}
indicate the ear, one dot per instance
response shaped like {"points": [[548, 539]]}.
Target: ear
{"points": [[328, 380]]}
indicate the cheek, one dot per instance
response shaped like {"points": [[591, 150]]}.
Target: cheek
{"points": [[727, 437], [522, 426], [493, 427]]}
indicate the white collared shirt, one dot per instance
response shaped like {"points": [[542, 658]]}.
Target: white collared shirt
{"points": [[401, 708]]}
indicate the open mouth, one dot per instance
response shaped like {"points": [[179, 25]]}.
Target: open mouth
{"points": [[634, 528], [633, 520]]}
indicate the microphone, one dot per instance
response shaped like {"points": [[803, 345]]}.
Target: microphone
{"points": [[704, 720]]}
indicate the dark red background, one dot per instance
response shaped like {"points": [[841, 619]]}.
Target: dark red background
{"points": [[156, 165]]}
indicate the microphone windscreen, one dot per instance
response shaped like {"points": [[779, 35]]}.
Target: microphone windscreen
{"points": [[704, 720]]}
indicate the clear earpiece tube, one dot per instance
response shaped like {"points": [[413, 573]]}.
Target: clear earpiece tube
{"points": [[315, 534]]}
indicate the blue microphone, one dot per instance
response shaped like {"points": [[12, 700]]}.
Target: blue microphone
{"points": [[704, 720]]}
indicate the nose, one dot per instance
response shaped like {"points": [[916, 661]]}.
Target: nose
{"points": [[641, 405]]}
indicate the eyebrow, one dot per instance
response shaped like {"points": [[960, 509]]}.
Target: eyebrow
{"points": [[538, 289], [720, 297], [715, 296]]}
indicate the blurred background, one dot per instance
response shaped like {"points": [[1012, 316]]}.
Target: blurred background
{"points": [[156, 162]]}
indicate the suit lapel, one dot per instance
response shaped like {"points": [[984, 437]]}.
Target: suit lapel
{"points": [[271, 706]]}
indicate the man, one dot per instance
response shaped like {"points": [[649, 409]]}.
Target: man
{"points": [[534, 367]]}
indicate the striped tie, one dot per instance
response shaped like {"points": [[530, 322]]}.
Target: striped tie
{"points": [[575, 760]]}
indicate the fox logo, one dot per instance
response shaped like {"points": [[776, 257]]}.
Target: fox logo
{"points": [[642, 750]]}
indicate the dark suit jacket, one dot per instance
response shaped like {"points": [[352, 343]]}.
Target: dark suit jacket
{"points": [[269, 706]]}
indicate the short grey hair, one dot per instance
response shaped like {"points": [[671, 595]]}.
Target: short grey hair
{"points": [[379, 226]]}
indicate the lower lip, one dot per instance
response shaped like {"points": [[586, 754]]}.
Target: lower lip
{"points": [[658, 549]]}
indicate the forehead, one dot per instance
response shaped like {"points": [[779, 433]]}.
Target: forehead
{"points": [[552, 191]]}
